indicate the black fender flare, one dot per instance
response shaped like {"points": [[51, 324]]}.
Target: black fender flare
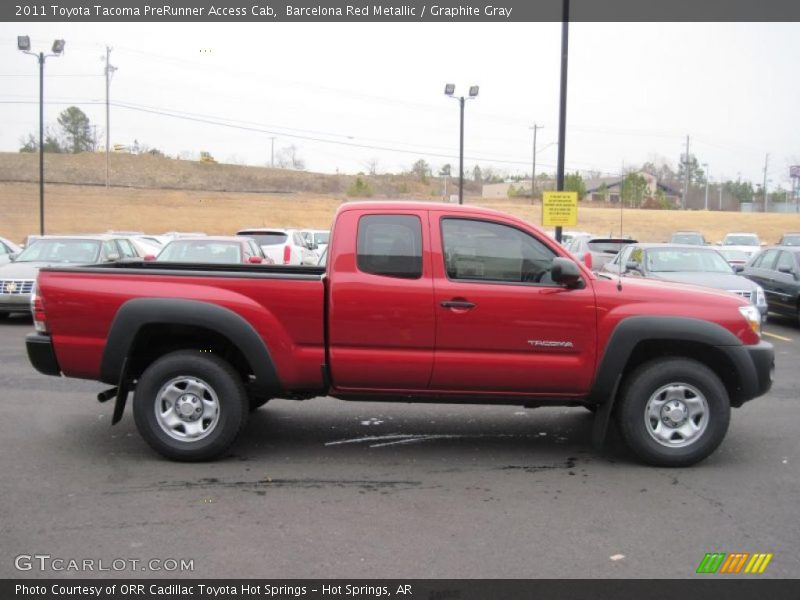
{"points": [[636, 329], [139, 312]]}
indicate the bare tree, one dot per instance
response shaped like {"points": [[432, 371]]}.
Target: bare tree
{"points": [[288, 158], [371, 165]]}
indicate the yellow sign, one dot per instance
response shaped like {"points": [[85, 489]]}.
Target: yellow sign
{"points": [[560, 209]]}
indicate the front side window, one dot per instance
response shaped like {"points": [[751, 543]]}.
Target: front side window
{"points": [[766, 260], [127, 249], [785, 262], [486, 251], [390, 245]]}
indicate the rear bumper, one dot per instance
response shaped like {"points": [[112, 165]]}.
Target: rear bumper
{"points": [[755, 366], [41, 353]]}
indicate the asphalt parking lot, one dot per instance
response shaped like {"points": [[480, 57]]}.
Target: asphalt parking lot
{"points": [[326, 488]]}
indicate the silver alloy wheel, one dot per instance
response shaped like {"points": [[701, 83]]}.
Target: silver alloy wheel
{"points": [[676, 415], [187, 408]]}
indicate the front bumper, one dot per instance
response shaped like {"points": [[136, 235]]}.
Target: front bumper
{"points": [[41, 353], [754, 366], [14, 303]]}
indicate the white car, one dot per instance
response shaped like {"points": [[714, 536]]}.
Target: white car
{"points": [[284, 246], [7, 248], [744, 242], [318, 237]]}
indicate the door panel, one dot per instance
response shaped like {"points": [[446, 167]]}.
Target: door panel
{"points": [[381, 316], [522, 333]]}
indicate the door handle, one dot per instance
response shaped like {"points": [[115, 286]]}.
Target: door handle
{"points": [[458, 304]]}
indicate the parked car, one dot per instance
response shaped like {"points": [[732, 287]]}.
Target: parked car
{"points": [[213, 250], [749, 243], [17, 278], [734, 256], [181, 234], [7, 250], [284, 246], [318, 238], [790, 239], [595, 252], [418, 302], [692, 238], [777, 270], [696, 265], [568, 236]]}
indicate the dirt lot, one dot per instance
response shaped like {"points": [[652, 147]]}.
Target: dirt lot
{"points": [[73, 209]]}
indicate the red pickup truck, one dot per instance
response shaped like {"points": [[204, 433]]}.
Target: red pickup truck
{"points": [[418, 302]]}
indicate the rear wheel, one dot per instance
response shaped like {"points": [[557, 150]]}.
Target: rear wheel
{"points": [[190, 406], [673, 412]]}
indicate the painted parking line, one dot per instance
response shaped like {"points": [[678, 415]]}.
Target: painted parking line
{"points": [[776, 336]]}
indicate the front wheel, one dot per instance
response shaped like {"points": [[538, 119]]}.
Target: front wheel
{"points": [[190, 406], [673, 412]]}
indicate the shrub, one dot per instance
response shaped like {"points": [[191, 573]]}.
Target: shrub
{"points": [[359, 188]]}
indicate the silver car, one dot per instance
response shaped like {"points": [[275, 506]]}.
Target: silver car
{"points": [[7, 250], [697, 265], [17, 278]]}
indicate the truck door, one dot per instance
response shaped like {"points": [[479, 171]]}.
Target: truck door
{"points": [[381, 320], [502, 324]]}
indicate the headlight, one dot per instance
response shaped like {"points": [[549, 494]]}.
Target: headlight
{"points": [[761, 299], [753, 318]]}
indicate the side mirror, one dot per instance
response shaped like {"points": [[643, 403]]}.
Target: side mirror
{"points": [[150, 258], [632, 265], [311, 245], [787, 270], [255, 260], [113, 257], [738, 268], [565, 272], [13, 256]]}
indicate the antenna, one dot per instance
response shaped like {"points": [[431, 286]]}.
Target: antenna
{"points": [[619, 254]]}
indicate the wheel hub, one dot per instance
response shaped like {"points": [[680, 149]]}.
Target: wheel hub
{"points": [[674, 413], [189, 407]]}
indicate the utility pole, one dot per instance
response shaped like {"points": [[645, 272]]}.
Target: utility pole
{"points": [[562, 110], [109, 70], [766, 198], [272, 153], [535, 128], [706, 174], [686, 175]]}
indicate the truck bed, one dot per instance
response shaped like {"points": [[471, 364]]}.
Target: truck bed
{"points": [[284, 304]]}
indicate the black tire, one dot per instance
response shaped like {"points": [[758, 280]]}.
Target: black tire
{"points": [[644, 383], [229, 398], [256, 402]]}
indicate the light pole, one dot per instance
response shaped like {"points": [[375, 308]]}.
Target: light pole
{"points": [[535, 128], [449, 90], [24, 45], [706, 174]]}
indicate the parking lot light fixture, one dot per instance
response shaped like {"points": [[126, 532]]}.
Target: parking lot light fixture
{"points": [[449, 90], [24, 45]]}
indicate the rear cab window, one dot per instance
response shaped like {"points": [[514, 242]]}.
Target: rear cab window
{"points": [[390, 246]]}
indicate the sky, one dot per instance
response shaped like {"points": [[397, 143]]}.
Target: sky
{"points": [[348, 94]]}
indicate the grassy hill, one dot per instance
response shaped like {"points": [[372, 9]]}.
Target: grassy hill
{"points": [[156, 194]]}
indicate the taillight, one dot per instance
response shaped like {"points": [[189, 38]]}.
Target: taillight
{"points": [[287, 254], [37, 310], [587, 259]]}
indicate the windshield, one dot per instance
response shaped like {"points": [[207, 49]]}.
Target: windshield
{"points": [[64, 250], [686, 261], [741, 240], [266, 238], [201, 252], [688, 238], [608, 246], [791, 240]]}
